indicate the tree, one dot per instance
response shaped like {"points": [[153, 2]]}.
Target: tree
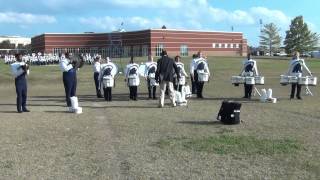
{"points": [[299, 37], [6, 44], [270, 39]]}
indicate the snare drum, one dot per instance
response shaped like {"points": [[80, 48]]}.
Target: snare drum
{"points": [[237, 79], [133, 80], [203, 77], [284, 80], [250, 80], [108, 81], [182, 80], [303, 81], [293, 79], [153, 82], [259, 80], [312, 81]]}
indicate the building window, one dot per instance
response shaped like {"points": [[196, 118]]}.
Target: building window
{"points": [[136, 51], [229, 46], [237, 45], [126, 51], [223, 46], [145, 51], [159, 48], [183, 50], [216, 45]]}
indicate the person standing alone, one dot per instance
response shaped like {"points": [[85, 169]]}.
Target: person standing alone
{"points": [[19, 71]]}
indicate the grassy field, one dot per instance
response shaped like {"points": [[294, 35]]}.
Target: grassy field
{"points": [[136, 140]]}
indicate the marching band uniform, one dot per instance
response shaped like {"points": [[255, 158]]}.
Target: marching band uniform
{"points": [[131, 72], [199, 64], [193, 82], [96, 70], [183, 75], [19, 71], [249, 70], [296, 67], [151, 68], [106, 78], [69, 78]]}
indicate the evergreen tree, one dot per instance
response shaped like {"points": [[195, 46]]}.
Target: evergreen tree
{"points": [[270, 39], [299, 37]]}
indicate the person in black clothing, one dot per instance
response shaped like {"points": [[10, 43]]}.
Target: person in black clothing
{"points": [[166, 67]]}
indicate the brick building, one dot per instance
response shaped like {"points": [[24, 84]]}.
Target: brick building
{"points": [[143, 42]]}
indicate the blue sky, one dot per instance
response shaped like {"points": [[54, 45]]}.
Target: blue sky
{"points": [[33, 17]]}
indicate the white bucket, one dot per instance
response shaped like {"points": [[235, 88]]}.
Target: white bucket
{"points": [[269, 94]]}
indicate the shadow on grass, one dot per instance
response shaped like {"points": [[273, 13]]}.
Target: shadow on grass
{"points": [[200, 122], [122, 107], [57, 112], [242, 100], [9, 112]]}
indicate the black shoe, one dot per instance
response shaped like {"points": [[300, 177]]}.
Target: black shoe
{"points": [[155, 98], [299, 98], [19, 111], [99, 96], [245, 97], [25, 110]]}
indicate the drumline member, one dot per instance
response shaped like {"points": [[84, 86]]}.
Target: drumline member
{"points": [[166, 67], [20, 70], [183, 75], [132, 78], [150, 73], [69, 78], [96, 71], [249, 70], [193, 82], [296, 66], [106, 78], [199, 65]]}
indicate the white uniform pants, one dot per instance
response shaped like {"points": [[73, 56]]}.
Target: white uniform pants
{"points": [[163, 87]]}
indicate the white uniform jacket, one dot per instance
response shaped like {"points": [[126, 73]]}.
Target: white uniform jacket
{"points": [[247, 65]]}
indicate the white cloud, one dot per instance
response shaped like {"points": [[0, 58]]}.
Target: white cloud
{"points": [[269, 15], [149, 3], [234, 17], [109, 23], [25, 18]]}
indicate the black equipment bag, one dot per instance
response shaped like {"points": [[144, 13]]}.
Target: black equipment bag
{"points": [[229, 112]]}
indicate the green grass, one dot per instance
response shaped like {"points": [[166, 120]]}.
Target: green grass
{"points": [[236, 145]]}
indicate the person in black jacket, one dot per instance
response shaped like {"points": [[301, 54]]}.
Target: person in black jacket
{"points": [[166, 68]]}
